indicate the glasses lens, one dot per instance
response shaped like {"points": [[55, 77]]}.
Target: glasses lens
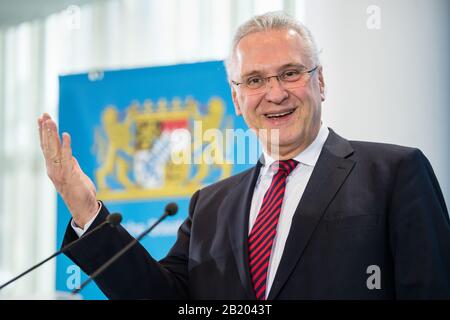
{"points": [[254, 85], [289, 79], [255, 82]]}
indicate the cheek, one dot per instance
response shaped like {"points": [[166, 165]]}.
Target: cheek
{"points": [[308, 100], [250, 112], [308, 112], [249, 105]]}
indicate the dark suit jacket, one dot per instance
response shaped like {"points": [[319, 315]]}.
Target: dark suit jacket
{"points": [[365, 204]]}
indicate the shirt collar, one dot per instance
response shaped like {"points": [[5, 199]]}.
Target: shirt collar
{"points": [[309, 156]]}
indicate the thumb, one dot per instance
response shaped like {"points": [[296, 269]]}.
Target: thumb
{"points": [[66, 151]]}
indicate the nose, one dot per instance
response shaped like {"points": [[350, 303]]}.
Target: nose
{"points": [[274, 91]]}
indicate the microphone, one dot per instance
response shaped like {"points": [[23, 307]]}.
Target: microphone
{"points": [[170, 210], [113, 220]]}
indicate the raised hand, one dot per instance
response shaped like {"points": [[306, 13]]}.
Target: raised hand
{"points": [[74, 186]]}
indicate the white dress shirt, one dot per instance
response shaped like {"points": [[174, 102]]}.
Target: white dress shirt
{"points": [[295, 186], [80, 231]]}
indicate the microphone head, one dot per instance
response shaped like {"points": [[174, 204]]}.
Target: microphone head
{"points": [[171, 209], [114, 219]]}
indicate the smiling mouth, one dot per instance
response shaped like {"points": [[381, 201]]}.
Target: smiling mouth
{"points": [[279, 115]]}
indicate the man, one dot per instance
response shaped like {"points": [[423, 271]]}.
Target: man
{"points": [[319, 217]]}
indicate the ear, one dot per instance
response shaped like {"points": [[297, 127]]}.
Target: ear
{"points": [[237, 108], [321, 83]]}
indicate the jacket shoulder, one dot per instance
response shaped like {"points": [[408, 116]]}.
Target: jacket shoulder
{"points": [[228, 183], [384, 151]]}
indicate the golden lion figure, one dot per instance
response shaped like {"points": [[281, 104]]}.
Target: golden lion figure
{"points": [[119, 138]]}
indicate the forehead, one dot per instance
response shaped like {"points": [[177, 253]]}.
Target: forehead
{"points": [[267, 51]]}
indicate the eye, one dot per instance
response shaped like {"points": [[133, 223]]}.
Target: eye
{"points": [[290, 75], [254, 81]]}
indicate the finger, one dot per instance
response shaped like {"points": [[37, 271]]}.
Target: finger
{"points": [[42, 128], [77, 165], [40, 132], [52, 144], [44, 138], [41, 120], [66, 151]]}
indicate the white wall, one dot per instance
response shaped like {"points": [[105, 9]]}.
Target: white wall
{"points": [[392, 84]]}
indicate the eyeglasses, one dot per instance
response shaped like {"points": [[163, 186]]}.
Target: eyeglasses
{"points": [[289, 79]]}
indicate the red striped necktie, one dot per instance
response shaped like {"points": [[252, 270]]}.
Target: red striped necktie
{"points": [[264, 229]]}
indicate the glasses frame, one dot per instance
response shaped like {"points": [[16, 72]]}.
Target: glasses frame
{"points": [[266, 80]]}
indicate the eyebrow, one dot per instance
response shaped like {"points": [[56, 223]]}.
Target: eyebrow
{"points": [[283, 67]]}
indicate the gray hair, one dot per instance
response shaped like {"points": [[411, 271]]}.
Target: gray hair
{"points": [[273, 21]]}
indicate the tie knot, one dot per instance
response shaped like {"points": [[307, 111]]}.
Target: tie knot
{"points": [[285, 166]]}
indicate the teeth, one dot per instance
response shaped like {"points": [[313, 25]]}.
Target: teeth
{"points": [[275, 115]]}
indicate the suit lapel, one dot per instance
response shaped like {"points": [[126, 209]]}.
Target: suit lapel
{"points": [[330, 172], [238, 204]]}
